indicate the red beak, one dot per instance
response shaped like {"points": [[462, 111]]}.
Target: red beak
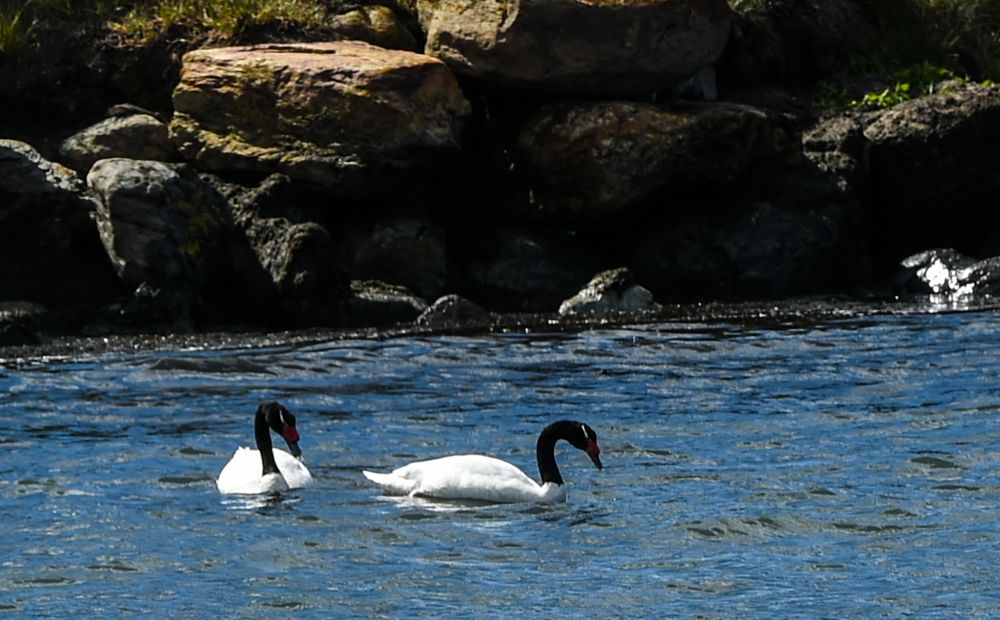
{"points": [[594, 452]]}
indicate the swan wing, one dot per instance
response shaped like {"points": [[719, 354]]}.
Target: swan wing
{"points": [[242, 475], [393, 484], [295, 472], [464, 476]]}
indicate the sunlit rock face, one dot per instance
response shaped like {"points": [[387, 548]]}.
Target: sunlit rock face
{"points": [[136, 136], [946, 275], [346, 117], [610, 292], [582, 47]]}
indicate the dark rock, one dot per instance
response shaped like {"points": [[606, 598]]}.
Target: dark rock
{"points": [[377, 304], [837, 145], [168, 230], [610, 292], [72, 68], [788, 41], [934, 179], [50, 250], [408, 251], [795, 231], [590, 160], [133, 136], [299, 255], [453, 310], [148, 309], [531, 271], [21, 323]]}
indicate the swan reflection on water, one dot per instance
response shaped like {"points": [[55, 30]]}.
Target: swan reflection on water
{"points": [[266, 502]]}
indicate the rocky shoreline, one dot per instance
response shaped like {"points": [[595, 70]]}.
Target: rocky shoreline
{"points": [[471, 161]]}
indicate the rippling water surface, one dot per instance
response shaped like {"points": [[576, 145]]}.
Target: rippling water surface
{"points": [[841, 468]]}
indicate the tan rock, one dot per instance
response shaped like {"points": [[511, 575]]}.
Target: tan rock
{"points": [[591, 47], [339, 115]]}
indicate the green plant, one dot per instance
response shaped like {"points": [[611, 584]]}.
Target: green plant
{"points": [[20, 20], [964, 34], [908, 82], [227, 17], [888, 97], [13, 32]]}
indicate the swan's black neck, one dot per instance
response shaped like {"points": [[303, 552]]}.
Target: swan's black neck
{"points": [[262, 433], [545, 450]]}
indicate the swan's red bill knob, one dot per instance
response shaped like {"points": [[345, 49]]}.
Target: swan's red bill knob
{"points": [[292, 439], [594, 452]]}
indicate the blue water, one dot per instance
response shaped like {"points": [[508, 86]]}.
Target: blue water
{"points": [[837, 468]]}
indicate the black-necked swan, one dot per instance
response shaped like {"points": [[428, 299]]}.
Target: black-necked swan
{"points": [[488, 479], [267, 470]]}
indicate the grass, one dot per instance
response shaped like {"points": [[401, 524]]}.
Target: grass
{"points": [[963, 35], [142, 21], [919, 44], [150, 20], [21, 19], [13, 33]]}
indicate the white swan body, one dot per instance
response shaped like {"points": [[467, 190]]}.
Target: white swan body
{"points": [[242, 474], [487, 479], [266, 469], [467, 477]]}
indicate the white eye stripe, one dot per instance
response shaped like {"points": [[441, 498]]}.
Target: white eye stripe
{"points": [[585, 435]]}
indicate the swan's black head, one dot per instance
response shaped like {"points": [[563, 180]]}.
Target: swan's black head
{"points": [[582, 437], [281, 421]]}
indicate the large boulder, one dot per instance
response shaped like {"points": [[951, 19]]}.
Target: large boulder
{"points": [[344, 116], [50, 251], [168, 231], [793, 231], [300, 256], [591, 160], [934, 177], [403, 250], [133, 136], [588, 47]]}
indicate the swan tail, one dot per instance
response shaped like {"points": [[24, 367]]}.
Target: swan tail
{"points": [[393, 484]]}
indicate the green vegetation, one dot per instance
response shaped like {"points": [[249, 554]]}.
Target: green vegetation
{"points": [[906, 83], [149, 20], [12, 31], [961, 34], [943, 32], [904, 48], [141, 21]]}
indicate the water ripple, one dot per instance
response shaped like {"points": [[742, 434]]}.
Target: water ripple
{"points": [[846, 467]]}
